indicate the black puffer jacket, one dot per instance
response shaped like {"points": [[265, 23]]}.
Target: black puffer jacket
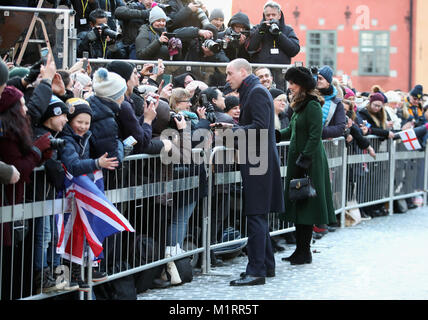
{"points": [[262, 42], [132, 17], [105, 129]]}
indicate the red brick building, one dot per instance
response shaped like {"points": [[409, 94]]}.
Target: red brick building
{"points": [[368, 40]]}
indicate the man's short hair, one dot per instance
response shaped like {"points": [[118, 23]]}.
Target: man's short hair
{"points": [[272, 4], [261, 68], [97, 14], [241, 63]]}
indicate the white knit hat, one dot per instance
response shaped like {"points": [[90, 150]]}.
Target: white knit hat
{"points": [[108, 84], [393, 96]]}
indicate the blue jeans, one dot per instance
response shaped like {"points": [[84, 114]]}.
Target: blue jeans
{"points": [[44, 246], [177, 228]]}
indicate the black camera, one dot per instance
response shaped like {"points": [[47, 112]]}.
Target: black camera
{"points": [[94, 34], [166, 8], [174, 115], [57, 143], [214, 46], [274, 29]]}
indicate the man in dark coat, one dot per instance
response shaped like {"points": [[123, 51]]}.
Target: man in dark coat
{"points": [[261, 182], [270, 44]]}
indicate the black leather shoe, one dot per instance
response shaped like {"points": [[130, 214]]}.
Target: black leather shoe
{"points": [[160, 284], [248, 281], [269, 274]]}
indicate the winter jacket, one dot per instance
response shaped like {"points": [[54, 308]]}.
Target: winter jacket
{"points": [[261, 44], [336, 126], [131, 126], [76, 154], [195, 53], [110, 7], [262, 191], [304, 133], [132, 17], [105, 128], [236, 50], [374, 129], [78, 7]]}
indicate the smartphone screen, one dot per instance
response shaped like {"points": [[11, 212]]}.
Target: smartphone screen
{"points": [[167, 78], [85, 59]]}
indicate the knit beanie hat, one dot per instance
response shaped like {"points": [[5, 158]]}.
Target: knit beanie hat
{"points": [[9, 97], [82, 78], [349, 93], [417, 91], [275, 93], [230, 102], [156, 13], [56, 108], [77, 106], [108, 84], [393, 96], [4, 73], [377, 97], [19, 72], [216, 14], [122, 68], [327, 73]]}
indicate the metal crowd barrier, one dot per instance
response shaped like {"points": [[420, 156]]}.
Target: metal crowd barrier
{"points": [[148, 193]]}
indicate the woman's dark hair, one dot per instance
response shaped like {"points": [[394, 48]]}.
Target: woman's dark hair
{"points": [[17, 126], [212, 93], [303, 94]]}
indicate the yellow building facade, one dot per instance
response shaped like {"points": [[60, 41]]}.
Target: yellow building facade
{"points": [[421, 44]]}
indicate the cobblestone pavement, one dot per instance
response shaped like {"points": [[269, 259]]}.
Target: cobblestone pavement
{"points": [[383, 258]]}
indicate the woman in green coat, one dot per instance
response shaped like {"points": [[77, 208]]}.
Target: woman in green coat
{"points": [[306, 155]]}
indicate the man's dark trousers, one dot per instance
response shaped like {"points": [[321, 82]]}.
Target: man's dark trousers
{"points": [[259, 247]]}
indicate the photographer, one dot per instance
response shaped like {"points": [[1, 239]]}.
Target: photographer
{"points": [[272, 41], [132, 17], [206, 50], [101, 41], [236, 37]]}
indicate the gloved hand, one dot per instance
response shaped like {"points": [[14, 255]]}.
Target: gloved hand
{"points": [[263, 27], [42, 146], [34, 72]]}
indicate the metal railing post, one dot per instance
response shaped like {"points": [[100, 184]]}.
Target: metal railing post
{"points": [[344, 183], [392, 150]]}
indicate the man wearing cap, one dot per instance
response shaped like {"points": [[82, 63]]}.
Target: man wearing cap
{"points": [[413, 103]]}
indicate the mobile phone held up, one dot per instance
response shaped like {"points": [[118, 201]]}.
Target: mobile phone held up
{"points": [[44, 52], [85, 60]]}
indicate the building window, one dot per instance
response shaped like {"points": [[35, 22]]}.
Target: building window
{"points": [[374, 53], [321, 48]]}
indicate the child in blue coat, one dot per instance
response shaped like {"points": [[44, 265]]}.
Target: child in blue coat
{"points": [[76, 158]]}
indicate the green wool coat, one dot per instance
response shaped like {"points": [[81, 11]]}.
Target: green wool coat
{"points": [[304, 133]]}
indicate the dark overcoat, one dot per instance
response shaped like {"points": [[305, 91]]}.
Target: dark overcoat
{"points": [[262, 193], [304, 133]]}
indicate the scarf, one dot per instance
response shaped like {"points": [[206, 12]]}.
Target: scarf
{"points": [[332, 92]]}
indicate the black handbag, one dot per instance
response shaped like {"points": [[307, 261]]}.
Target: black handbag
{"points": [[301, 189]]}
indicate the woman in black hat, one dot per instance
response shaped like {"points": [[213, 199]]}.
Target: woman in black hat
{"points": [[306, 157]]}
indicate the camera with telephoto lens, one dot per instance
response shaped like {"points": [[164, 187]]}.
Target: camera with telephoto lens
{"points": [[57, 143], [94, 34], [214, 46]]}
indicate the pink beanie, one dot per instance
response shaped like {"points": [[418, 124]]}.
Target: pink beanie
{"points": [[349, 93]]}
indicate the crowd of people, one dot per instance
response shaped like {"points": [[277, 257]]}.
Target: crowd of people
{"points": [[95, 112]]}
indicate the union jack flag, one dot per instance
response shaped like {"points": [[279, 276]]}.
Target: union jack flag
{"points": [[88, 215]]}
